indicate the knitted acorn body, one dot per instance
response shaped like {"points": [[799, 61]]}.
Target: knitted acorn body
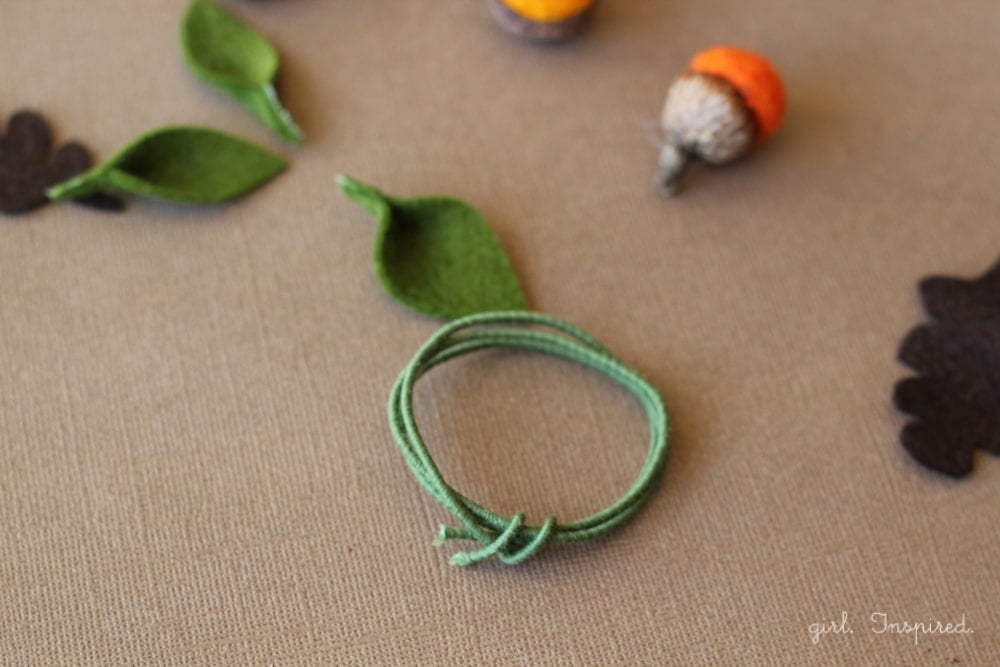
{"points": [[541, 20], [727, 102]]}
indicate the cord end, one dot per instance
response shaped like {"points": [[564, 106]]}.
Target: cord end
{"points": [[462, 559]]}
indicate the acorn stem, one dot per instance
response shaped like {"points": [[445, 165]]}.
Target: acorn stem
{"points": [[673, 162]]}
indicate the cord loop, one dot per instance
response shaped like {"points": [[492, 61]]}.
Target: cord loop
{"points": [[511, 540]]}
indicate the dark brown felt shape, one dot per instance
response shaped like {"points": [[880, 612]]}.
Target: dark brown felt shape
{"points": [[26, 170], [955, 401]]}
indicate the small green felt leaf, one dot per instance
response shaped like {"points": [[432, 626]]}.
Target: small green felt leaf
{"points": [[188, 164], [438, 255], [225, 52]]}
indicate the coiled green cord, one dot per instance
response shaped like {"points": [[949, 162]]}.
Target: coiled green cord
{"points": [[511, 539]]}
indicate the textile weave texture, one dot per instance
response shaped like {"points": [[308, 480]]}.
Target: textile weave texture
{"points": [[195, 465]]}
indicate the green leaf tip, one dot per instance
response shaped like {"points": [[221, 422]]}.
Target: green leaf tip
{"points": [[185, 164], [366, 196], [351, 186], [438, 255], [226, 53]]}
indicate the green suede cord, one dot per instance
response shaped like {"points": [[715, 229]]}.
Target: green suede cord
{"points": [[510, 539]]}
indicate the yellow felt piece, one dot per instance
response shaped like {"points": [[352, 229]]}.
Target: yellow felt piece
{"points": [[548, 11]]}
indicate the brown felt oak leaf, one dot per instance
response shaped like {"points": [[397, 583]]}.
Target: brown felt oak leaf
{"points": [[955, 401], [26, 169]]}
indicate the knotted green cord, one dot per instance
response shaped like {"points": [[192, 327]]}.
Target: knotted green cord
{"points": [[511, 540]]}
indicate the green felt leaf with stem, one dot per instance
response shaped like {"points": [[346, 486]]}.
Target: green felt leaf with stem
{"points": [[438, 255], [187, 164], [225, 52]]}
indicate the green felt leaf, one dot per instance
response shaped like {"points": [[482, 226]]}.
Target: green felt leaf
{"points": [[188, 164], [438, 255], [225, 52]]}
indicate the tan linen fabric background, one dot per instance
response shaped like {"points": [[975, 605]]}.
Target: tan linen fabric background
{"points": [[195, 465]]}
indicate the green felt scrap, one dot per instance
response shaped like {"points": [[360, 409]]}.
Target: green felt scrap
{"points": [[225, 52], [438, 255], [187, 164]]}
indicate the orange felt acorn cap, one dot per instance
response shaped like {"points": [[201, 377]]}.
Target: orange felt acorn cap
{"points": [[548, 11], [753, 76]]}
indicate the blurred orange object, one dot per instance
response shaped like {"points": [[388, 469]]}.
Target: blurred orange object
{"points": [[548, 11], [541, 20], [754, 77]]}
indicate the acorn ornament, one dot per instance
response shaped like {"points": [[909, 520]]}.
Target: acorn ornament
{"points": [[726, 103], [541, 20]]}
